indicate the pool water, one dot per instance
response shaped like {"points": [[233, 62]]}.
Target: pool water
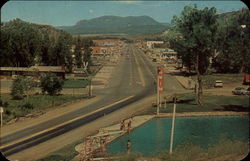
{"points": [[154, 136]]}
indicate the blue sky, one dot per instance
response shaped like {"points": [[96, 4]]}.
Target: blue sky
{"points": [[59, 13]]}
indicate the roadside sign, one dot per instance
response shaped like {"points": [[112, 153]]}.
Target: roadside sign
{"points": [[85, 65], [1, 109], [160, 80]]}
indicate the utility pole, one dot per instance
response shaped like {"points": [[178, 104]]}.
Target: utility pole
{"points": [[90, 87], [85, 65], [172, 129]]}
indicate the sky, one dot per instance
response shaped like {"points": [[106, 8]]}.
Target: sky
{"points": [[66, 13]]}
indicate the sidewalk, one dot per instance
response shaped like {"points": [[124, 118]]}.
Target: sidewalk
{"points": [[186, 82]]}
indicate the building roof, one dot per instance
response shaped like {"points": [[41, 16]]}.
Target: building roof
{"points": [[57, 69]]}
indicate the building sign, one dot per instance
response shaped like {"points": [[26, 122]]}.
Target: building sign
{"points": [[160, 79]]}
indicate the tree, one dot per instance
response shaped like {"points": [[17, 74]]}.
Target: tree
{"points": [[197, 28], [18, 86], [87, 52], [51, 84], [21, 47], [21, 86], [233, 42], [78, 52]]}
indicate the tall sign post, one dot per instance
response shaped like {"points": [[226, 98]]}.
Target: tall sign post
{"points": [[159, 87]]}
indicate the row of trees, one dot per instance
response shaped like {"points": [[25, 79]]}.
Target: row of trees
{"points": [[222, 40], [23, 86], [204, 39], [24, 44]]}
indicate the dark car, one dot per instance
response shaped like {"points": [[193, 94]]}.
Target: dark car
{"points": [[239, 91], [247, 91]]}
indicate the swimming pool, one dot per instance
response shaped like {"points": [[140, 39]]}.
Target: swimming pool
{"points": [[154, 136]]}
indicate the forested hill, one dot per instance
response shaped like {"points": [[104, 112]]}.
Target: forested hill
{"points": [[116, 24], [24, 44]]}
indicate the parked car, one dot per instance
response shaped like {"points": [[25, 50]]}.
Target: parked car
{"points": [[247, 91], [239, 91], [218, 83]]}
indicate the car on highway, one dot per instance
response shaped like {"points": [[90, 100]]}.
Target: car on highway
{"points": [[239, 91]]}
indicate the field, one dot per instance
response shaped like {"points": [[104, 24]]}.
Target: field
{"points": [[227, 79], [32, 105], [187, 103], [71, 83]]}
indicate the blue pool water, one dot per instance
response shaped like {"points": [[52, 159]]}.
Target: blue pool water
{"points": [[154, 136]]}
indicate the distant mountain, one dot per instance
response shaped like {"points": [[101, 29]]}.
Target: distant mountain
{"points": [[116, 24], [167, 24]]}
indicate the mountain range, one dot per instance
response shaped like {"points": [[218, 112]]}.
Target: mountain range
{"points": [[116, 25]]}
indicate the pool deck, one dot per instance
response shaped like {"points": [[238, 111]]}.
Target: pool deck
{"points": [[197, 114], [113, 132]]}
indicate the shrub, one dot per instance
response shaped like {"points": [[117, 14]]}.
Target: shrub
{"points": [[26, 106], [18, 86], [51, 84], [4, 104]]}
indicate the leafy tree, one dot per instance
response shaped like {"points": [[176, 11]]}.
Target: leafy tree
{"points": [[51, 84], [87, 52], [18, 86], [197, 29], [21, 47], [21, 86], [233, 43], [46, 54], [78, 52]]}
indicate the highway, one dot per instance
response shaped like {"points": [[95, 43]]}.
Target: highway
{"points": [[132, 80]]}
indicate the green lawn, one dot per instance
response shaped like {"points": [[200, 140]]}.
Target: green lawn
{"points": [[187, 103], [71, 83], [65, 154], [209, 80], [35, 103]]}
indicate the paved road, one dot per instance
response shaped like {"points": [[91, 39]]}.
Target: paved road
{"points": [[133, 79]]}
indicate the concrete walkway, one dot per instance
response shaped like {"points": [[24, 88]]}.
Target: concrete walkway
{"points": [[112, 132]]}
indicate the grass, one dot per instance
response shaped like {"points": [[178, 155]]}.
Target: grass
{"points": [[224, 150], [187, 103], [209, 80], [67, 153], [71, 83], [36, 103]]}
